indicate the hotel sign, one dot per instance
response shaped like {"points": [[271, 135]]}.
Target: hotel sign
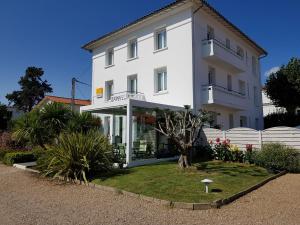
{"points": [[99, 92]]}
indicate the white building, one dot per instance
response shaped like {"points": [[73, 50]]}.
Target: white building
{"points": [[185, 53]]}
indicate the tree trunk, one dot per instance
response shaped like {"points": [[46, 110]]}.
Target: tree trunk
{"points": [[183, 161]]}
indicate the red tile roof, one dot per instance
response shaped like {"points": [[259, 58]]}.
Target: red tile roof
{"points": [[63, 100]]}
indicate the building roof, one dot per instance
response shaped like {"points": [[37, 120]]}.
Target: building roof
{"points": [[204, 6], [80, 102]]}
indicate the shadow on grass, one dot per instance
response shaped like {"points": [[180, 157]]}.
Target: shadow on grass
{"points": [[230, 169], [216, 190]]}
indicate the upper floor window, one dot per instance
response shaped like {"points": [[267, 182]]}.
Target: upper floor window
{"points": [[160, 80], [227, 43], [110, 57], [229, 82], [255, 96], [132, 49], [132, 84], [254, 65], [240, 51], [242, 87], [109, 86], [160, 39], [210, 33], [211, 76]]}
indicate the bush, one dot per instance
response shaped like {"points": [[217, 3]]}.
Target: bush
{"points": [[77, 156], [18, 157], [281, 119], [278, 157]]}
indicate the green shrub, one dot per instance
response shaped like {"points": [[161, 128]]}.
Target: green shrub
{"points": [[18, 157], [278, 157], [77, 156]]}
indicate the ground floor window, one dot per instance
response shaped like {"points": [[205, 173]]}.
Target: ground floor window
{"points": [[243, 121]]}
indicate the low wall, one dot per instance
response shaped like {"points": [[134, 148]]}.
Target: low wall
{"points": [[241, 136]]}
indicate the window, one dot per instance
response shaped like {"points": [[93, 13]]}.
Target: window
{"points": [[298, 112], [110, 57], [255, 96], [210, 33], [214, 119], [240, 52], [160, 80], [242, 87], [243, 121], [256, 123], [254, 66], [107, 126], [132, 49], [109, 86], [229, 82], [160, 39], [231, 122], [211, 76], [227, 43], [132, 84]]}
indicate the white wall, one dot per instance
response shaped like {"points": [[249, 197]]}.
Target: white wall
{"points": [[183, 86], [251, 111], [177, 58]]}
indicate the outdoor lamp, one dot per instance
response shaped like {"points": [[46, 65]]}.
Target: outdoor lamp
{"points": [[206, 182]]}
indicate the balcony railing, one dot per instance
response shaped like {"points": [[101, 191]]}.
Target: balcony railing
{"points": [[218, 95], [119, 96], [222, 45], [217, 52]]}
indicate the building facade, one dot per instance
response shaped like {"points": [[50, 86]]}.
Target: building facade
{"points": [[186, 53]]}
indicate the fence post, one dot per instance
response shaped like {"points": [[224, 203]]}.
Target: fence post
{"points": [[224, 134], [260, 138]]}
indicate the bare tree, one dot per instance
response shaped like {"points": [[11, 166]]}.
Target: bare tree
{"points": [[184, 129]]}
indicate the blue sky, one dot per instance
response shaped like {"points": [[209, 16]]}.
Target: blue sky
{"points": [[50, 33]]}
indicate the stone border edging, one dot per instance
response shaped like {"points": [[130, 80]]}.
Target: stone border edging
{"points": [[179, 205]]}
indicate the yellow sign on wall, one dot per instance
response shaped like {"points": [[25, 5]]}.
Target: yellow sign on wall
{"points": [[99, 92]]}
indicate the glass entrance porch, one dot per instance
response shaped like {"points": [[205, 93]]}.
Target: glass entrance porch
{"points": [[131, 128]]}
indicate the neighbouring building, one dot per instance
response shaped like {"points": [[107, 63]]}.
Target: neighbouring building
{"points": [[15, 113], [269, 107], [185, 53], [66, 101]]}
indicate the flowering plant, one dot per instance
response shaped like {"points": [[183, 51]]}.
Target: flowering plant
{"points": [[223, 150]]}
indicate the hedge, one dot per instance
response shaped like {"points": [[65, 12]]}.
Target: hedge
{"points": [[18, 157]]}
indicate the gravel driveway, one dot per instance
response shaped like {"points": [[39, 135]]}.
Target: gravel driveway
{"points": [[26, 199]]}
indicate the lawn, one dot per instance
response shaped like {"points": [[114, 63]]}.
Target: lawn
{"points": [[167, 181]]}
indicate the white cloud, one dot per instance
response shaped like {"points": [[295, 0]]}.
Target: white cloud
{"points": [[272, 70]]}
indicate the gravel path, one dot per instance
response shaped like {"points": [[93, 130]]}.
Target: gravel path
{"points": [[28, 200]]}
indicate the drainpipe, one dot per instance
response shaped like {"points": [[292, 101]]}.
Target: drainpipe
{"points": [[193, 55]]}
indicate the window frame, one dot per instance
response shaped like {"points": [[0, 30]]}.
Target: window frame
{"points": [[164, 83], [211, 76], [109, 85], [156, 39], [107, 57], [129, 84], [129, 49], [242, 91]]}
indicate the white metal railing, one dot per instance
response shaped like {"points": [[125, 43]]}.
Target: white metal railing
{"points": [[223, 46], [126, 95]]}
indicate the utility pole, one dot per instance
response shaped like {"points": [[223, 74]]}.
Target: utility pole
{"points": [[74, 80], [73, 93]]}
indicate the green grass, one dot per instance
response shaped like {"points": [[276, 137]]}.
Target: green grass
{"points": [[167, 181]]}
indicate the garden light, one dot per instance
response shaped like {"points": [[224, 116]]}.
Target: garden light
{"points": [[206, 182]]}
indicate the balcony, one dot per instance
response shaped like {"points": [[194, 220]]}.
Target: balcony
{"points": [[220, 96], [216, 52], [120, 96]]}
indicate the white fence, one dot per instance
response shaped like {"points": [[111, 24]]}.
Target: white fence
{"points": [[241, 136]]}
